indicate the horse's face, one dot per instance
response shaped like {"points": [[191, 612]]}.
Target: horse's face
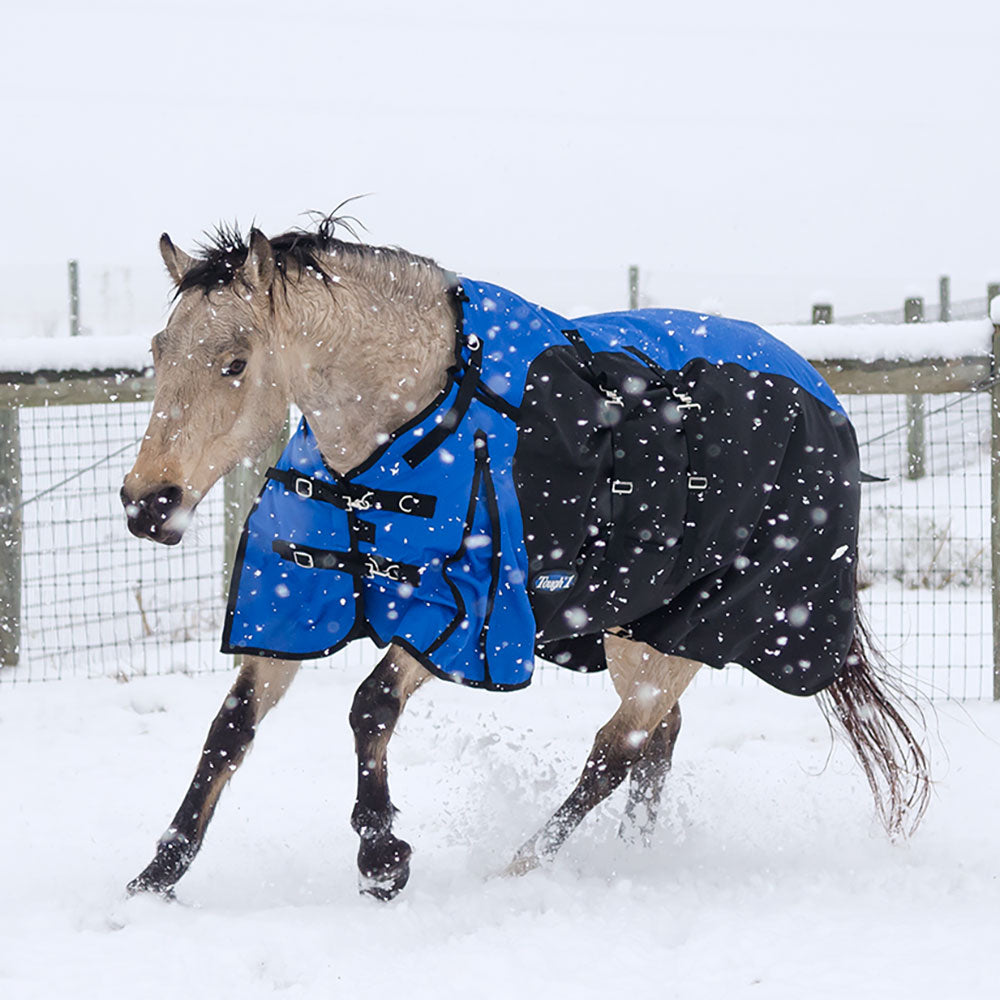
{"points": [[220, 396]]}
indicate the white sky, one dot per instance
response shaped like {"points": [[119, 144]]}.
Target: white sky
{"points": [[750, 155]]}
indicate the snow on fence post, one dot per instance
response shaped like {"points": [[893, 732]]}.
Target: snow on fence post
{"points": [[913, 312], [10, 537], [633, 286]]}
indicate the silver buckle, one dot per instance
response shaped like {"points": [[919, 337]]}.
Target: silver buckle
{"points": [[621, 487], [686, 402], [303, 559], [303, 487], [697, 482], [391, 571], [613, 395], [363, 504]]}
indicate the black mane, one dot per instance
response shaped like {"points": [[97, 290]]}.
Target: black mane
{"points": [[225, 251]]}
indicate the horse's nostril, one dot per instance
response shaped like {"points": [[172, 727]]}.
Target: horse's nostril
{"points": [[166, 499], [156, 514]]}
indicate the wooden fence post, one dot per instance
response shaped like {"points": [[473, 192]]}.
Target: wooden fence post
{"points": [[633, 287], [10, 538], [944, 299], [822, 314], [995, 504], [239, 490], [913, 312], [74, 298]]}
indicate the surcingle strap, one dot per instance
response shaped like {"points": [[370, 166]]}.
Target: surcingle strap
{"points": [[353, 496], [355, 563]]}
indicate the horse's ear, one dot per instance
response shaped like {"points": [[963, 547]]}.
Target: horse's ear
{"points": [[258, 270], [177, 261]]}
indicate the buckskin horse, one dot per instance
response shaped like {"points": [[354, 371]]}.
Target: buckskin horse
{"points": [[476, 481]]}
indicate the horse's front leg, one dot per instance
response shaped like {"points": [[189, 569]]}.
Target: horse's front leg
{"points": [[383, 859], [258, 688], [649, 684]]}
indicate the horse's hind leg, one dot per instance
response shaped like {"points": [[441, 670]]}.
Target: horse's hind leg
{"points": [[649, 685], [258, 688], [647, 777], [383, 859]]}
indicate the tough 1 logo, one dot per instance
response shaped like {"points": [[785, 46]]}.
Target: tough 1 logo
{"points": [[552, 581]]}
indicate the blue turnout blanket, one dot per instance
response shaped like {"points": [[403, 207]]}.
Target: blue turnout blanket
{"points": [[685, 479]]}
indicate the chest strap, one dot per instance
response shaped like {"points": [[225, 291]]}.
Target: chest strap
{"points": [[353, 496], [355, 563]]}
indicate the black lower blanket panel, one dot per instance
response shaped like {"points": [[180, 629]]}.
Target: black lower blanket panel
{"points": [[719, 516]]}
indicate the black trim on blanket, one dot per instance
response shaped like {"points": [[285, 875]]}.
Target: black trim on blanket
{"points": [[319, 654], [597, 378], [582, 348], [432, 668], [353, 496], [652, 365], [436, 436], [495, 401], [493, 512]]}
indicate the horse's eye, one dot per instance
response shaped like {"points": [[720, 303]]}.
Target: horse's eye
{"points": [[235, 367]]}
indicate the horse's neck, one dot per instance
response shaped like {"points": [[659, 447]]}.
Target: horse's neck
{"points": [[368, 357]]}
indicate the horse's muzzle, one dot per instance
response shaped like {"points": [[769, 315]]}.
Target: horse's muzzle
{"points": [[152, 515]]}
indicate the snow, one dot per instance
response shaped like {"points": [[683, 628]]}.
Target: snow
{"points": [[995, 309], [914, 341], [768, 878], [34, 354]]}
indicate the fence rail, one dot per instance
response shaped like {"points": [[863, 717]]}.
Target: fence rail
{"points": [[80, 597]]}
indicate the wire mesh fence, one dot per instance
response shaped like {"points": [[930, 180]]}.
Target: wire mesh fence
{"points": [[98, 602], [94, 601], [925, 541]]}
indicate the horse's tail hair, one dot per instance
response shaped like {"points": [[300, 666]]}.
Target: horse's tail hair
{"points": [[869, 707]]}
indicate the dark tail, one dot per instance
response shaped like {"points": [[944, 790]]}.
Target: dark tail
{"points": [[869, 707]]}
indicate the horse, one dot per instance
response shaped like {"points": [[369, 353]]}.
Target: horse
{"points": [[362, 339]]}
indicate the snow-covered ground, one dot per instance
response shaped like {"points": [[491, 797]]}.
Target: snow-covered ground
{"points": [[768, 879]]}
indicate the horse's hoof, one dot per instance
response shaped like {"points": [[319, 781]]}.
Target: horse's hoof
{"points": [[526, 860], [383, 867], [143, 884], [174, 854], [381, 889]]}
